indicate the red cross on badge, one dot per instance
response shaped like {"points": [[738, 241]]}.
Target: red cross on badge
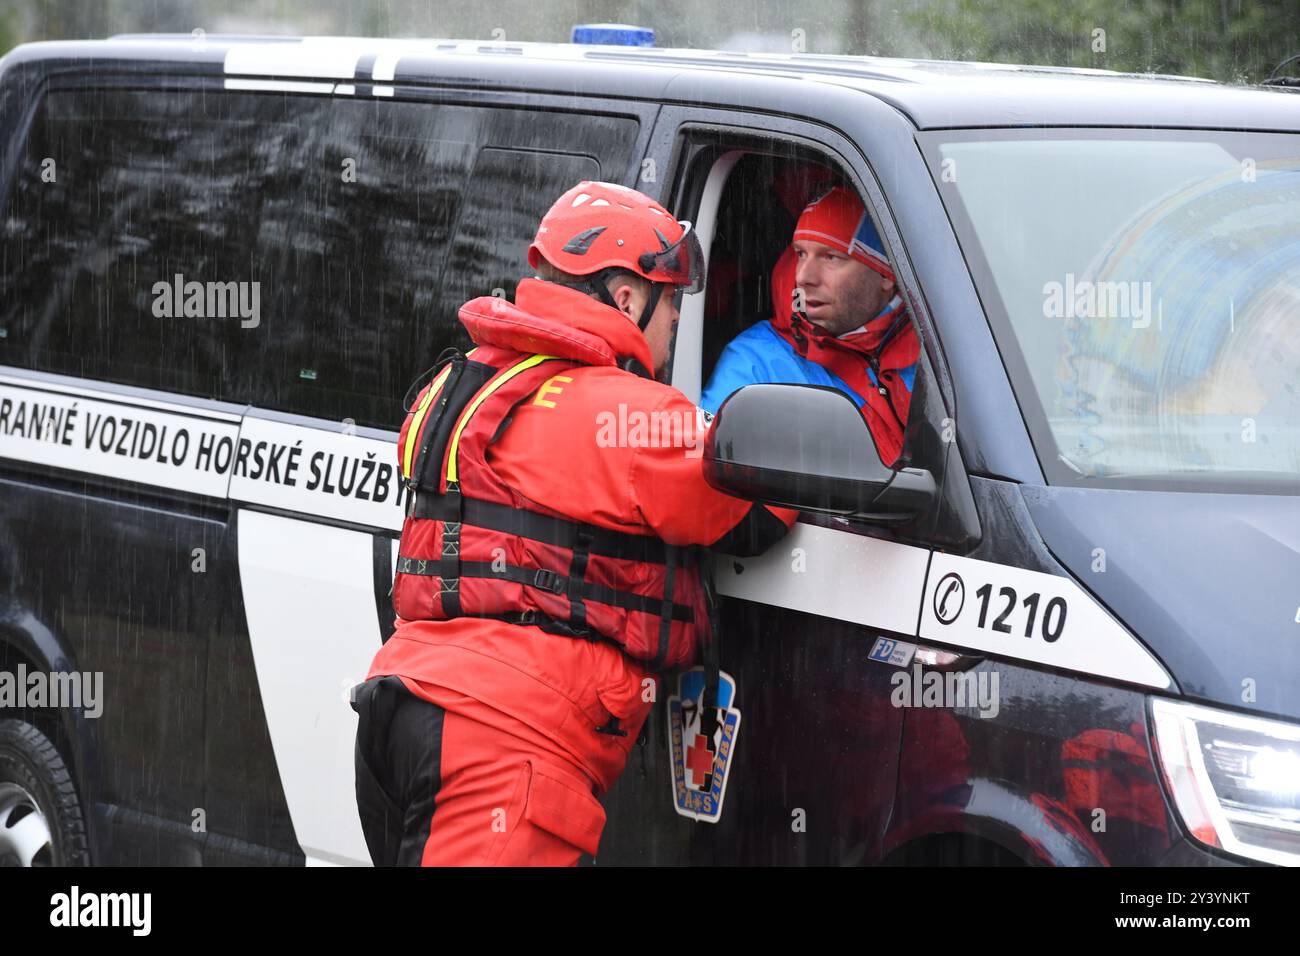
{"points": [[699, 758]]}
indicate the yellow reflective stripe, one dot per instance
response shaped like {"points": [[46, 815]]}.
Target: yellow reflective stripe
{"points": [[479, 399], [413, 433]]}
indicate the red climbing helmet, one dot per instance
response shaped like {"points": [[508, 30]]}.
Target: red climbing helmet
{"points": [[597, 226]]}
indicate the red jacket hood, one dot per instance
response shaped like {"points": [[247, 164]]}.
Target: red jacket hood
{"points": [[783, 275], [551, 319]]}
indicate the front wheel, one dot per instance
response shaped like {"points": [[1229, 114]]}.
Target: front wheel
{"points": [[41, 823]]}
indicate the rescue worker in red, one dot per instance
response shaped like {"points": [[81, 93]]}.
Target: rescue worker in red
{"points": [[548, 565]]}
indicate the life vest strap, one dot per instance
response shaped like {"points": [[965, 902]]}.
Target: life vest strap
{"points": [[430, 430], [476, 399], [712, 655], [665, 619], [577, 572], [548, 529], [449, 567], [546, 580], [548, 624]]}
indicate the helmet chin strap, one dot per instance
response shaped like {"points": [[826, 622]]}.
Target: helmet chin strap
{"points": [[656, 290], [596, 284]]}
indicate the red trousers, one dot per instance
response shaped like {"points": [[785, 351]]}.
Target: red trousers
{"points": [[465, 785]]}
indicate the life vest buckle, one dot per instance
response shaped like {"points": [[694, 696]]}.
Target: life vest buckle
{"points": [[548, 581]]}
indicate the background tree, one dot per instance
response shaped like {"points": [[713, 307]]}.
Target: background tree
{"points": [[1234, 41]]}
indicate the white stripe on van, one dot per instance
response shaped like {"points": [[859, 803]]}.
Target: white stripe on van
{"points": [[849, 577], [1031, 616], [278, 86], [312, 56], [385, 67], [309, 597], [938, 599], [182, 448], [318, 472]]}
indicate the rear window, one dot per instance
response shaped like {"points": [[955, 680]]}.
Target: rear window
{"points": [[306, 254]]}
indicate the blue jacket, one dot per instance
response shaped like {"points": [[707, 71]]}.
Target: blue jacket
{"points": [[760, 354]]}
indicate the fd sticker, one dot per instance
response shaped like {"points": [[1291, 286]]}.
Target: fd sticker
{"points": [[890, 651], [701, 764]]}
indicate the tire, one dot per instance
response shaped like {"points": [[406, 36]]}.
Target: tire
{"points": [[41, 822]]}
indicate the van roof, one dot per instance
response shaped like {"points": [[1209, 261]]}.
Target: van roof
{"points": [[932, 93]]}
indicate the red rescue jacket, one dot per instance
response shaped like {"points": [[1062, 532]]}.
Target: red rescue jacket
{"points": [[570, 437], [474, 546]]}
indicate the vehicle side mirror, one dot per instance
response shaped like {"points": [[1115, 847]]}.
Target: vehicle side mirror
{"points": [[808, 447]]}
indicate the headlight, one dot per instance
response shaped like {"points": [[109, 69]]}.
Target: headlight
{"points": [[1235, 780]]}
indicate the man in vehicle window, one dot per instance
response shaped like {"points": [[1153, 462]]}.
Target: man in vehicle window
{"points": [[547, 567], [837, 320]]}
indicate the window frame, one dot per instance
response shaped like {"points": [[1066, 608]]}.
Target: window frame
{"points": [[929, 441], [672, 151]]}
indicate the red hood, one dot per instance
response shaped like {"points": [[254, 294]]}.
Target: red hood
{"points": [[783, 274], [551, 319], [900, 353]]}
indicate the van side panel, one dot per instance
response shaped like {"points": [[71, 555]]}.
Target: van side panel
{"points": [[1063, 775], [111, 576]]}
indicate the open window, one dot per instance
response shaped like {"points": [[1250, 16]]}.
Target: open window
{"points": [[744, 190], [746, 193], [759, 206]]}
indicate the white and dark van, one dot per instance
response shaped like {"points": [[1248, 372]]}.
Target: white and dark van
{"points": [[1065, 630]]}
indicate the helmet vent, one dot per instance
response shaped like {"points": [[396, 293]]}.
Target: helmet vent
{"points": [[580, 243]]}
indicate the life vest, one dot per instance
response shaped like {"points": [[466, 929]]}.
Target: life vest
{"points": [[473, 546]]}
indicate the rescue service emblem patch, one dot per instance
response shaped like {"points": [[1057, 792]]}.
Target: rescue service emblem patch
{"points": [[701, 764]]}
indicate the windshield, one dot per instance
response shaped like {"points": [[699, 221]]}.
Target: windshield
{"points": [[1144, 288]]}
